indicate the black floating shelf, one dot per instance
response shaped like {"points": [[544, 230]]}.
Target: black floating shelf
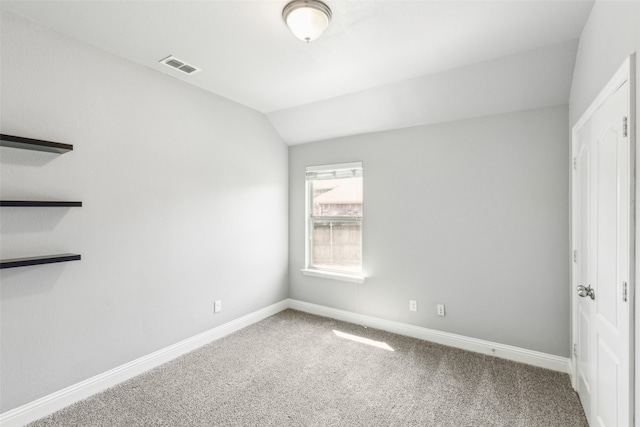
{"points": [[39, 203], [34, 144], [37, 260]]}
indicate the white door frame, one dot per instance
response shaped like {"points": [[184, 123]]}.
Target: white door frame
{"points": [[625, 73]]}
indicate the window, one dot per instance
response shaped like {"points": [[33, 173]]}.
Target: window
{"points": [[334, 220]]}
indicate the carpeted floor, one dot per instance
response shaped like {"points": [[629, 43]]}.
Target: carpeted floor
{"points": [[296, 369]]}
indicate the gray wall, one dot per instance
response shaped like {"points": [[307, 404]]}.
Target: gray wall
{"points": [[611, 34], [472, 214], [185, 201]]}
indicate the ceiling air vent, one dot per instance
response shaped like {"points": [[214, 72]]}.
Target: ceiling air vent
{"points": [[180, 65]]}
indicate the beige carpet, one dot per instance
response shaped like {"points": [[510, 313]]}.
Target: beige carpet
{"points": [[296, 369]]}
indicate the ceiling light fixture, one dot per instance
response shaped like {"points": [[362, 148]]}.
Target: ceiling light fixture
{"points": [[307, 19]]}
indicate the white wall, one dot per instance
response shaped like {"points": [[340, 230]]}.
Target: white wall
{"points": [[472, 214], [611, 34], [185, 201]]}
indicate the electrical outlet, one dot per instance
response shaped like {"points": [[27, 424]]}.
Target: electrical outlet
{"points": [[413, 305], [440, 308], [217, 306]]}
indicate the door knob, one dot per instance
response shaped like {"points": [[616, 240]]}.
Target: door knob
{"points": [[586, 292]]}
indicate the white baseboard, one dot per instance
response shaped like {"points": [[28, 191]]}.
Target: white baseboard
{"points": [[530, 357], [49, 404]]}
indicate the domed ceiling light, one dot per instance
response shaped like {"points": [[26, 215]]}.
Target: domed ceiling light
{"points": [[307, 19]]}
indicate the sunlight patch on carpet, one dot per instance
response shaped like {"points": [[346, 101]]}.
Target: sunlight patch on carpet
{"points": [[379, 344]]}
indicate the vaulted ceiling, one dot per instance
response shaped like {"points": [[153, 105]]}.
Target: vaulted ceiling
{"points": [[379, 65]]}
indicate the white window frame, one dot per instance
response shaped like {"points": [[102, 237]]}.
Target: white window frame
{"points": [[309, 270]]}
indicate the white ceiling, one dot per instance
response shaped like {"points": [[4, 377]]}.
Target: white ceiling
{"points": [[248, 54], [533, 79]]}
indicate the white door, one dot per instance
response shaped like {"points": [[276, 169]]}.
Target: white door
{"points": [[582, 220], [604, 248]]}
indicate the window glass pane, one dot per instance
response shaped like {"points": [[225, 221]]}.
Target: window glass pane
{"points": [[335, 212], [337, 197], [337, 245]]}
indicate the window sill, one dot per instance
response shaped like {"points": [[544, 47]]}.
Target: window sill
{"points": [[345, 277]]}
